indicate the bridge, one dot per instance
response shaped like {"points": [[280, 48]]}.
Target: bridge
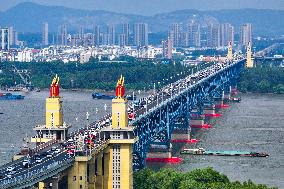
{"points": [[105, 153]]}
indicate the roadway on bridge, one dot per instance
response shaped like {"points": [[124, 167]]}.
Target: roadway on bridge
{"points": [[139, 107]]}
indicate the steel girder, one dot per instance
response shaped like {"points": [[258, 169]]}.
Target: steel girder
{"points": [[157, 125]]}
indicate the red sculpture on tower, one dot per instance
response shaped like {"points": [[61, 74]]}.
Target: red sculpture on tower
{"points": [[54, 88], [120, 89]]}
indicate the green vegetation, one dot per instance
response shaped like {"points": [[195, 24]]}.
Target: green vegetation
{"points": [[196, 179], [262, 80], [95, 75]]}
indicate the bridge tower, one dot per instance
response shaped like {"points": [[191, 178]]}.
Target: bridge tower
{"points": [[119, 173], [249, 63], [230, 51], [54, 128]]}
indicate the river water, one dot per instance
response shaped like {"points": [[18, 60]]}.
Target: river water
{"points": [[255, 124]]}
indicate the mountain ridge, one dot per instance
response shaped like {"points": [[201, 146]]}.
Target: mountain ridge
{"points": [[28, 17]]}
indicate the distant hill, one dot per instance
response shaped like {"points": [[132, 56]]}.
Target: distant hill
{"points": [[28, 17]]}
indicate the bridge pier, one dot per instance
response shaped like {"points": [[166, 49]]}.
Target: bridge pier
{"points": [[210, 112], [160, 151], [182, 136], [198, 122]]}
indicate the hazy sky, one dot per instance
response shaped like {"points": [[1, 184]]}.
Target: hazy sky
{"points": [[150, 7]]}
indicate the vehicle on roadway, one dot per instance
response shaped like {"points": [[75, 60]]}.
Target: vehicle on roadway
{"points": [[10, 174], [10, 168], [53, 148], [57, 150], [49, 154], [26, 163], [38, 160]]}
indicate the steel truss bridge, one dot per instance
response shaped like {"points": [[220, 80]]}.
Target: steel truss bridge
{"points": [[154, 123]]}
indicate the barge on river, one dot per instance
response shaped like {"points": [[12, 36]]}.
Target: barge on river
{"points": [[201, 151]]}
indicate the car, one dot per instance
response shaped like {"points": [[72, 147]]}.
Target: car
{"points": [[53, 148], [10, 174], [49, 154], [43, 154], [70, 140], [38, 160], [10, 168], [26, 162], [57, 150], [36, 156]]}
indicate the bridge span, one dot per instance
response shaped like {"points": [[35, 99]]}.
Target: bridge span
{"points": [[103, 154]]}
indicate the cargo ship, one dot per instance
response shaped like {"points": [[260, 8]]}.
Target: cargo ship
{"points": [[201, 151], [9, 96]]}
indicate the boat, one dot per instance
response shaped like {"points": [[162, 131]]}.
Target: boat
{"points": [[235, 99], [202, 151], [102, 96], [9, 96]]}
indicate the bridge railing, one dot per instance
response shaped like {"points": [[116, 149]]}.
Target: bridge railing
{"points": [[37, 175], [188, 87]]}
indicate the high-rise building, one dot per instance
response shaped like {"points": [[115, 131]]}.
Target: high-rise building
{"points": [[81, 32], [193, 30], [246, 34], [62, 35], [105, 39], [45, 34], [126, 32], [122, 40], [184, 39], [11, 36], [141, 34], [226, 34], [111, 34], [176, 34], [97, 35], [5, 42], [16, 38], [213, 35], [168, 49]]}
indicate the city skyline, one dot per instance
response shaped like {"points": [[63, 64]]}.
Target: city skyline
{"points": [[148, 7]]}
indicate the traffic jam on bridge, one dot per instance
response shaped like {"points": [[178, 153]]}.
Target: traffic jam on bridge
{"points": [[88, 139]]}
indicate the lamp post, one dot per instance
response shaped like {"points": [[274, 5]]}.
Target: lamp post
{"points": [[40, 133], [87, 118]]}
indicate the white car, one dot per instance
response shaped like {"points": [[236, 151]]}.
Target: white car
{"points": [[38, 160], [70, 140], [54, 148], [10, 168], [49, 154], [26, 162], [57, 150]]}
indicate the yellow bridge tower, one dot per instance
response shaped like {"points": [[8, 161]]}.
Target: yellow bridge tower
{"points": [[249, 63], [230, 51], [54, 128], [119, 173]]}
